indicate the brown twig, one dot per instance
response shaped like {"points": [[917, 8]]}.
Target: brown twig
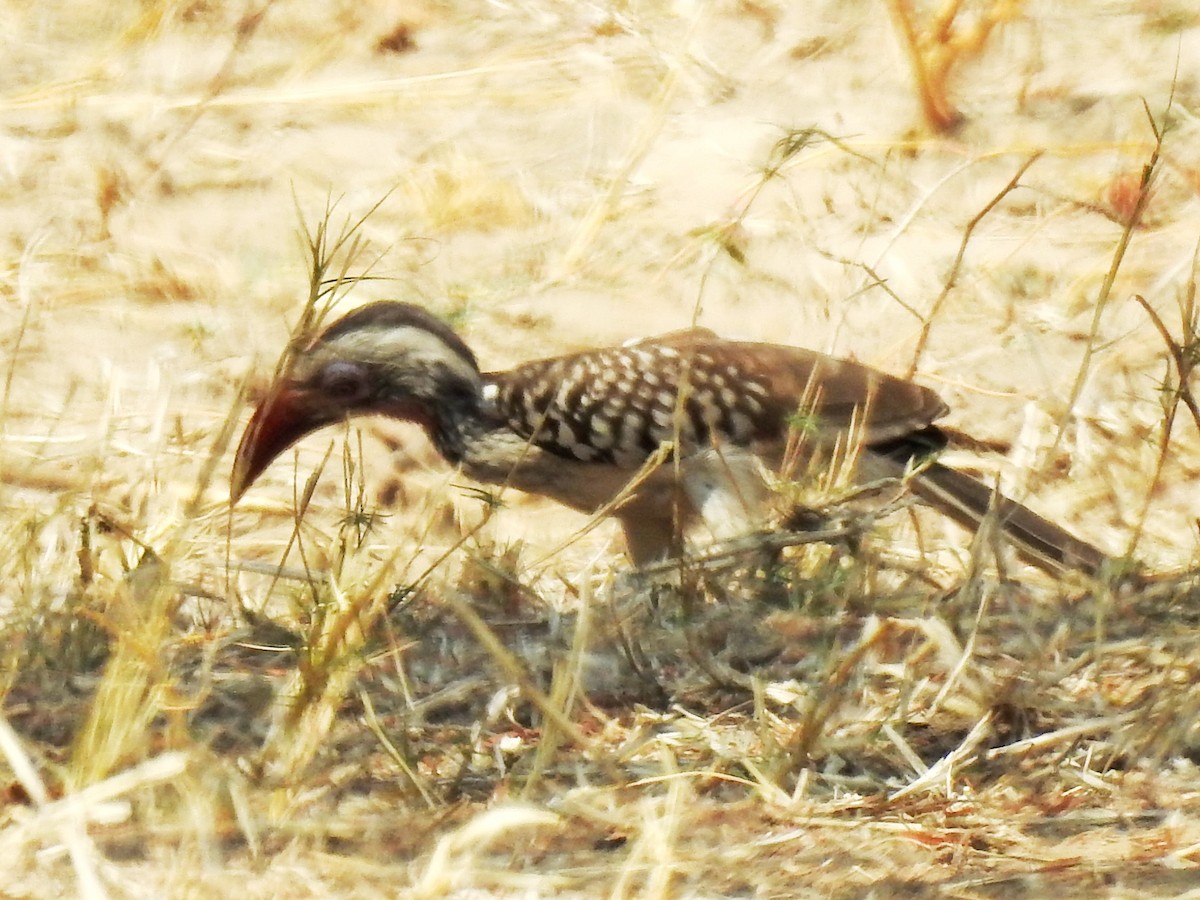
{"points": [[1184, 356], [940, 49], [956, 266]]}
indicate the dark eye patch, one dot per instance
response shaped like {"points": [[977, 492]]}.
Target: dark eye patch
{"points": [[345, 382]]}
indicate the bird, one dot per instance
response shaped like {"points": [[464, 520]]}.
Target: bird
{"points": [[663, 433]]}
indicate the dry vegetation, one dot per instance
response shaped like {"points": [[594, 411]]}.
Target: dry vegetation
{"points": [[383, 682]]}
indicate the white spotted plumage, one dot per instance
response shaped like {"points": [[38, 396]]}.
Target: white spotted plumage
{"points": [[618, 405]]}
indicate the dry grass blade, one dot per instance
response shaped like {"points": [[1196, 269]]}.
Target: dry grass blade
{"points": [[1129, 226], [515, 671], [566, 690], [1185, 355], [132, 690], [452, 865], [605, 205], [331, 259], [955, 267], [67, 818], [941, 774], [832, 693], [83, 855], [329, 663]]}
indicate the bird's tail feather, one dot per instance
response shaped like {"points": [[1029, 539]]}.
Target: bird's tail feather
{"points": [[971, 502]]}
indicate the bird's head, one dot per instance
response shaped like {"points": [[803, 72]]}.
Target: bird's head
{"points": [[386, 358]]}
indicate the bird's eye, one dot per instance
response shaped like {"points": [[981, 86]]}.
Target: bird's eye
{"points": [[345, 382]]}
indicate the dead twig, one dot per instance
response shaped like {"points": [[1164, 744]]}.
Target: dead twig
{"points": [[956, 267], [941, 48]]}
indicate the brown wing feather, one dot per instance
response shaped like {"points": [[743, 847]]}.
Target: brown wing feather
{"points": [[836, 391], [684, 337], [621, 403]]}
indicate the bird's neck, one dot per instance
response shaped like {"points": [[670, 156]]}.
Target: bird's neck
{"points": [[454, 426]]}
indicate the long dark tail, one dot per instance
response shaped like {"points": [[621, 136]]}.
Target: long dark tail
{"points": [[970, 502]]}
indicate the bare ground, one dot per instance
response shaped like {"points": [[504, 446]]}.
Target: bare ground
{"points": [[181, 719]]}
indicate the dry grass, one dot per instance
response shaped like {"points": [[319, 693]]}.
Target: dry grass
{"points": [[400, 689]]}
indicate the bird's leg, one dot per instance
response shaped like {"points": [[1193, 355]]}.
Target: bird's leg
{"points": [[649, 537]]}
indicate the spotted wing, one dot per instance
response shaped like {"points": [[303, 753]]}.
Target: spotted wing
{"points": [[620, 404]]}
